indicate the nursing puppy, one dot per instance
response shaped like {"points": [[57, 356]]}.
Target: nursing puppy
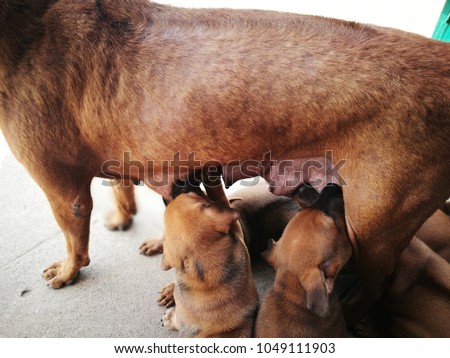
{"points": [[417, 301], [214, 291], [312, 250], [262, 216]]}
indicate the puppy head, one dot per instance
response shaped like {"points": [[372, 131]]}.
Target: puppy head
{"points": [[314, 247], [192, 224]]}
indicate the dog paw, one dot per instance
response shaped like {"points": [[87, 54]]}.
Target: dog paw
{"points": [[166, 297], [118, 221], [169, 319], [62, 273], [151, 247]]}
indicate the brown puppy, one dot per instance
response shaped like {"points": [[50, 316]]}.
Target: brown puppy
{"points": [[417, 301], [435, 232], [135, 90], [214, 291], [312, 250], [262, 216]]}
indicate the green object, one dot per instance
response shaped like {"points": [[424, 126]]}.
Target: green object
{"points": [[442, 30]]}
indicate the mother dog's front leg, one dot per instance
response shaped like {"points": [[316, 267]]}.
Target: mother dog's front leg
{"points": [[71, 204]]}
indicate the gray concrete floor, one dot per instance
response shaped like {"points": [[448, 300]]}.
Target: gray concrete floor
{"points": [[115, 296]]}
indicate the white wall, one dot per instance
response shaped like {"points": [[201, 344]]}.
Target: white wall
{"points": [[419, 16]]}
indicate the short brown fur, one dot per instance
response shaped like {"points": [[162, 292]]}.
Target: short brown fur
{"points": [[308, 257], [214, 291], [83, 81], [417, 301]]}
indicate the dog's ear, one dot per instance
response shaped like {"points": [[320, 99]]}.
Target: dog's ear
{"points": [[330, 269], [319, 285], [269, 254], [306, 196], [316, 293], [331, 202], [222, 216]]}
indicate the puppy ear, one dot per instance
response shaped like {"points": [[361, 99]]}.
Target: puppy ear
{"points": [[269, 254], [316, 294], [331, 202], [330, 269], [222, 216], [306, 196], [319, 286]]}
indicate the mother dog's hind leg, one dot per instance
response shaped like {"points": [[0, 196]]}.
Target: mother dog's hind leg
{"points": [[71, 204], [122, 217]]}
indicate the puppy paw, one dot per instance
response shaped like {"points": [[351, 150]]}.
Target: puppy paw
{"points": [[169, 319], [118, 220], [62, 273], [166, 297], [151, 247]]}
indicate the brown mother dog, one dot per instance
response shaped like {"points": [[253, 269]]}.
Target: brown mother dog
{"points": [[82, 82]]}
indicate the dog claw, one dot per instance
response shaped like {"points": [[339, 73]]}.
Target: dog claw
{"points": [[166, 297], [57, 274], [55, 283], [52, 266], [151, 247], [169, 320], [50, 274]]}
